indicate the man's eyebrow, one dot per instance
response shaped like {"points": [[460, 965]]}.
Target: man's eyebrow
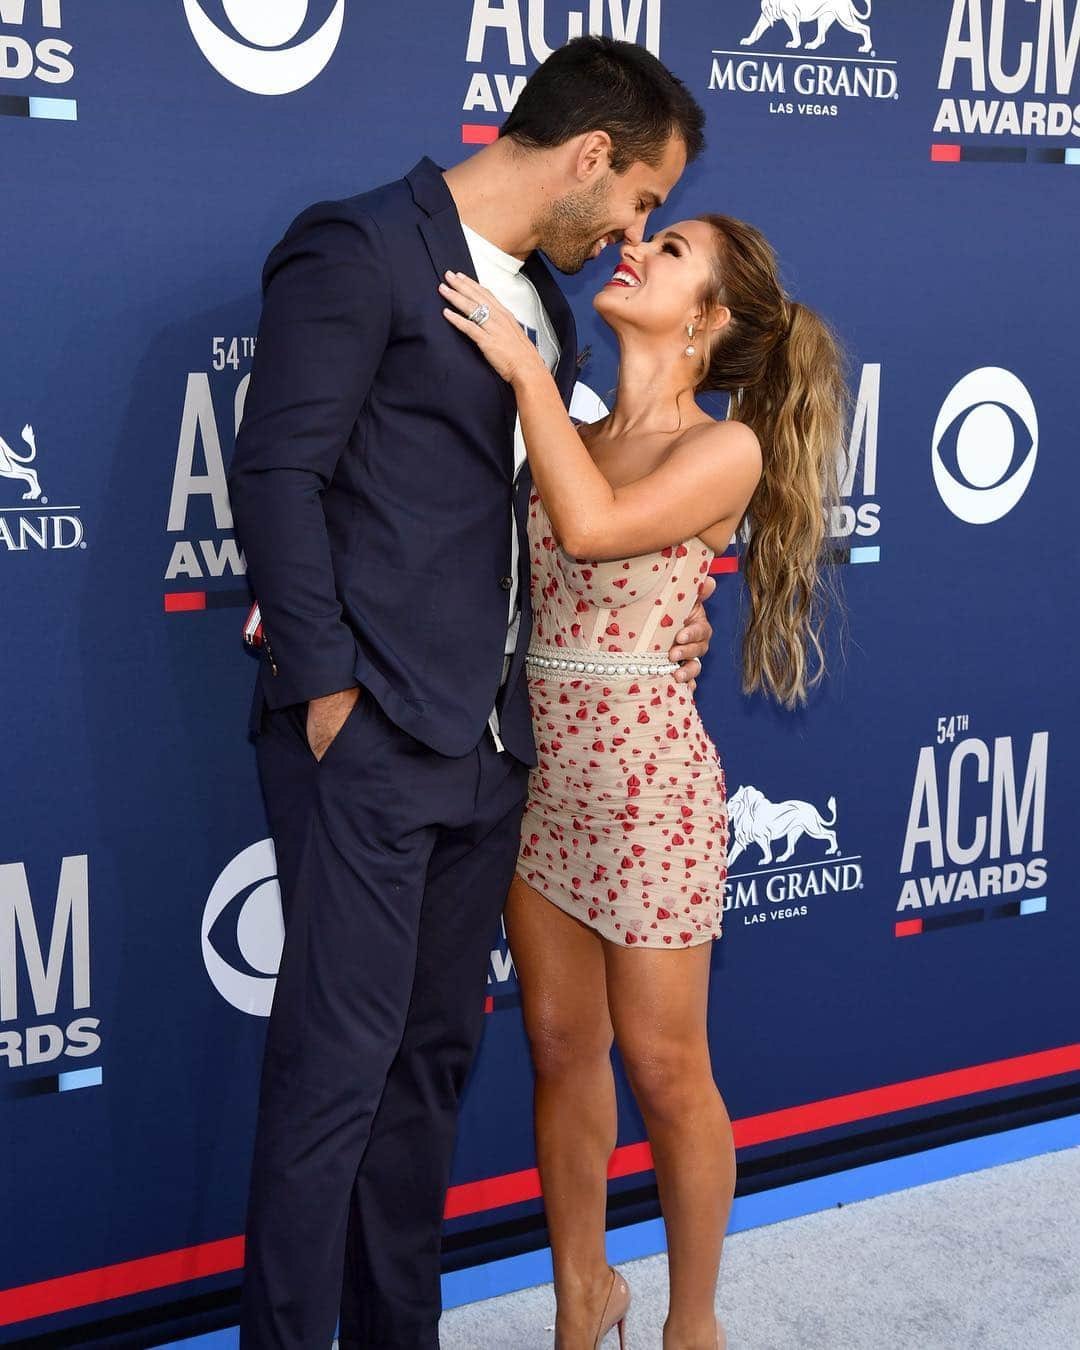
{"points": [[652, 197]]}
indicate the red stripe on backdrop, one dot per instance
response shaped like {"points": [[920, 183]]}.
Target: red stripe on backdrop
{"points": [[477, 1196], [126, 1277], [473, 1197], [937, 1087], [945, 154], [729, 563], [177, 601], [475, 133]]}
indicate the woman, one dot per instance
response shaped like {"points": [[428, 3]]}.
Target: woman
{"points": [[620, 879]]}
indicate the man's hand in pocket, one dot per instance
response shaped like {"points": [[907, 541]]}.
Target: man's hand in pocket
{"points": [[326, 716]]}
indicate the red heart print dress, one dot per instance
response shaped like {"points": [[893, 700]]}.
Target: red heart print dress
{"points": [[625, 826]]}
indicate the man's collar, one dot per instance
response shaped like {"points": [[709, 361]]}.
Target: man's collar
{"points": [[428, 186], [508, 262], [433, 196]]}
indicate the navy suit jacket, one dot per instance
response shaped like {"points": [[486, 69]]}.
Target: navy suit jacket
{"points": [[373, 478]]}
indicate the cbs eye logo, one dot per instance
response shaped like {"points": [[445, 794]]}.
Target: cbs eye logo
{"points": [[242, 930], [980, 464], [265, 62]]}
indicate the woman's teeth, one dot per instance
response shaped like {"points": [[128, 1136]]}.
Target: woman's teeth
{"points": [[621, 277]]}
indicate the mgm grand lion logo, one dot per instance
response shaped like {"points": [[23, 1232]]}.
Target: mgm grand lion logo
{"points": [[822, 12], [756, 820], [14, 465]]}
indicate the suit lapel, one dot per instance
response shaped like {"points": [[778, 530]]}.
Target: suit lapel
{"points": [[562, 319], [445, 243], [448, 251]]}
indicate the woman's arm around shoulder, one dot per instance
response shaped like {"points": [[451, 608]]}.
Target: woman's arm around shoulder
{"points": [[707, 479]]}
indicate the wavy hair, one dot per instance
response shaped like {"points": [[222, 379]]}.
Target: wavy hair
{"points": [[787, 374]]}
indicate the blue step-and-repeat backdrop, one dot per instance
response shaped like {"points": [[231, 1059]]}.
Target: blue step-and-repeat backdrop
{"points": [[898, 966]]}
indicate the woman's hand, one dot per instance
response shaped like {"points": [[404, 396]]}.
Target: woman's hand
{"points": [[500, 337], [694, 638]]}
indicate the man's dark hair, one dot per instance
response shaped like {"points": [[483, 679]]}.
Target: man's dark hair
{"points": [[602, 84]]}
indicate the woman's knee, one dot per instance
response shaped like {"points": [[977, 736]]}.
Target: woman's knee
{"points": [[669, 1079], [560, 1047]]}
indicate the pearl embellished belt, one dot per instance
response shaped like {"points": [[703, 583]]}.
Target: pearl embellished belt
{"points": [[596, 663]]}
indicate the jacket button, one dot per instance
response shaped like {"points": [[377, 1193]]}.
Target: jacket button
{"points": [[506, 582]]}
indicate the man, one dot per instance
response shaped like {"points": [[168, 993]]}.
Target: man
{"points": [[380, 495]]}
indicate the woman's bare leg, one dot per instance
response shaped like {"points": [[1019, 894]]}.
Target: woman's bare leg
{"points": [[560, 967], [658, 1001]]}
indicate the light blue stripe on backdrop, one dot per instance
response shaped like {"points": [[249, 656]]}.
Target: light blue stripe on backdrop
{"points": [[56, 109], [79, 1078]]}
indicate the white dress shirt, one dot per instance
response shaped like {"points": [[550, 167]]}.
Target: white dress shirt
{"points": [[501, 274]]}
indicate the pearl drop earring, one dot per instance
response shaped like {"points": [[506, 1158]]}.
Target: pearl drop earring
{"points": [[690, 333]]}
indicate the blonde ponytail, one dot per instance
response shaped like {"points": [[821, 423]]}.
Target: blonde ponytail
{"points": [[786, 371]]}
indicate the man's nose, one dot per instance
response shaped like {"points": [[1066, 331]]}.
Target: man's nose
{"points": [[633, 234]]}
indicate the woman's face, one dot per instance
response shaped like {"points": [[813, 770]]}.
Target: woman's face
{"points": [[656, 287]]}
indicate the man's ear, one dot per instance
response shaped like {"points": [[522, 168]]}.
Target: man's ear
{"points": [[594, 155]]}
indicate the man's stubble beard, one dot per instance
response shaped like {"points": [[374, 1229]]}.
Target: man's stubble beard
{"points": [[570, 226]]}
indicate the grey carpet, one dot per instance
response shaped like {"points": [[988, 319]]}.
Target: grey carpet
{"points": [[986, 1261]]}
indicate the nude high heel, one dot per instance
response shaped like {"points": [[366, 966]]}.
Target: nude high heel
{"points": [[614, 1314]]}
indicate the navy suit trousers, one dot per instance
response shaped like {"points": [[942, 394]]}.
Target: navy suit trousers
{"points": [[394, 863]]}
